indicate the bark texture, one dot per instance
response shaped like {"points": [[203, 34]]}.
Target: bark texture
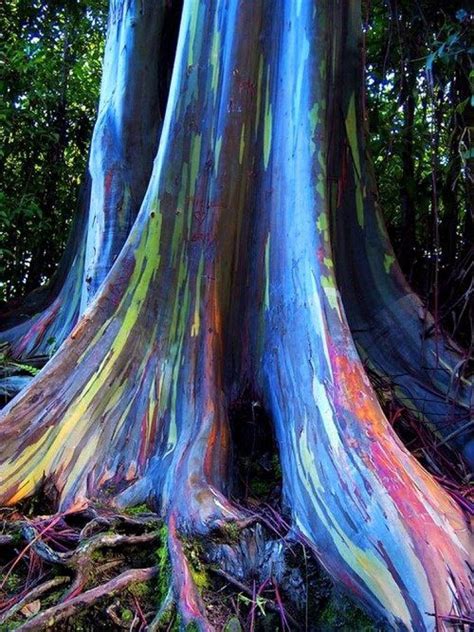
{"points": [[225, 284]]}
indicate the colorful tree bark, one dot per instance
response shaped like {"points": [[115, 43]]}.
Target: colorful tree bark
{"points": [[226, 283]]}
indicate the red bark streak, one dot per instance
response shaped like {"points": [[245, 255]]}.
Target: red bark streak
{"points": [[108, 178], [38, 329], [184, 586]]}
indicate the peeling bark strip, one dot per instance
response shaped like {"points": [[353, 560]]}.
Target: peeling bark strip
{"points": [[227, 280]]}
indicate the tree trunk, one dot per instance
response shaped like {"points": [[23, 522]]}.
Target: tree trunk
{"points": [[226, 285]]}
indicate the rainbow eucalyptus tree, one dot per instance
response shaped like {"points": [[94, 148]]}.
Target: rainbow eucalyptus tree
{"points": [[226, 285]]}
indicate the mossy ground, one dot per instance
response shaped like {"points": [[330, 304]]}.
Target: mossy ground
{"points": [[126, 610], [228, 607]]}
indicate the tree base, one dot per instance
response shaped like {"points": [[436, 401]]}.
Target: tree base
{"points": [[103, 570]]}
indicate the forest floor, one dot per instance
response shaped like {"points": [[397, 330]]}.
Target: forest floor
{"points": [[100, 570]]}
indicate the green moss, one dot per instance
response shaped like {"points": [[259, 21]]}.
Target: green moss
{"points": [[262, 480], [52, 599], [98, 556], [329, 615], [259, 487], [193, 551], [342, 614], [168, 619], [232, 531], [17, 537], [200, 578], [12, 583], [163, 563], [11, 624], [141, 589], [137, 510], [126, 615]]}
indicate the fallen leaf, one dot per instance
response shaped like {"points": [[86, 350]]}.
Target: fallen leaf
{"points": [[32, 608]]}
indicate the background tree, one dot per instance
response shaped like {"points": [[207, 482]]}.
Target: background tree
{"points": [[51, 56], [419, 60], [118, 170]]}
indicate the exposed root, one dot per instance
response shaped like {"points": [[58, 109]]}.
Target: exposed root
{"points": [[32, 595], [247, 575], [78, 558], [112, 521], [191, 606], [201, 509], [52, 616], [60, 541]]}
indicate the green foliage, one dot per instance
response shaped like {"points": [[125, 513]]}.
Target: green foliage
{"points": [[26, 368], [419, 59], [450, 46], [259, 602], [10, 367], [50, 61]]}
